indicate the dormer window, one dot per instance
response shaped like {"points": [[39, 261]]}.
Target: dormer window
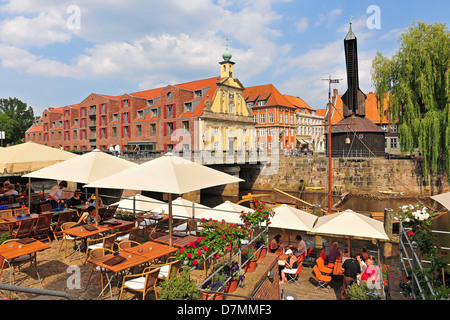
{"points": [[150, 102], [140, 114], [262, 103], [198, 93], [188, 106]]}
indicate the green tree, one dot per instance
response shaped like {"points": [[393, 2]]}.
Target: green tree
{"points": [[15, 118], [418, 78]]}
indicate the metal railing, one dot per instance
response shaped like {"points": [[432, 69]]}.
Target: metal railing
{"points": [[36, 291], [413, 261]]}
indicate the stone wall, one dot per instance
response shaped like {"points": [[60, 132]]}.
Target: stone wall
{"points": [[363, 176]]}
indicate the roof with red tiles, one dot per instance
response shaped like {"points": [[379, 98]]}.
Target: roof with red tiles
{"points": [[35, 129], [267, 92], [298, 102]]}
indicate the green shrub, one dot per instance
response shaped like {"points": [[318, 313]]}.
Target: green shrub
{"points": [[179, 287]]}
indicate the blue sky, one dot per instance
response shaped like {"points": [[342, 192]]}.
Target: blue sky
{"points": [[57, 52]]}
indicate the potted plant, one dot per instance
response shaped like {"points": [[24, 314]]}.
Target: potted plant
{"points": [[211, 288], [236, 276], [261, 247], [249, 256], [179, 287]]}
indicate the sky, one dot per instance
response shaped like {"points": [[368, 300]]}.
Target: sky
{"points": [[57, 52]]}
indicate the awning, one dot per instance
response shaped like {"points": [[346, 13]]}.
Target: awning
{"points": [[301, 141], [146, 143]]}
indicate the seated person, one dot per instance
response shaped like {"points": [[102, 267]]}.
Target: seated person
{"points": [[11, 191], [76, 199], [5, 187], [27, 188], [275, 243], [88, 215], [370, 273], [291, 266], [334, 252], [301, 247]]}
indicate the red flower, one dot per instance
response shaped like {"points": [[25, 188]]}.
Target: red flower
{"points": [[195, 262], [199, 253], [181, 250], [189, 255], [199, 239]]}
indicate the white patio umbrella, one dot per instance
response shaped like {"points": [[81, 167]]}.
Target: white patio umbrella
{"points": [[287, 217], [138, 202], [182, 208], [443, 198], [351, 224], [86, 168], [228, 211], [168, 174]]}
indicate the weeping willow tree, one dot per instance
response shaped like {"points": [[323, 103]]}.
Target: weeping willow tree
{"points": [[417, 78]]}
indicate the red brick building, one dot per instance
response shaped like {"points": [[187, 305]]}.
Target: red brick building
{"points": [[274, 117], [194, 115]]}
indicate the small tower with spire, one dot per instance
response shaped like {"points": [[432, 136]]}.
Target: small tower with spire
{"points": [[354, 99], [226, 66]]}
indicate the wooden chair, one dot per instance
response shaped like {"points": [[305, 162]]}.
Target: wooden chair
{"points": [[25, 228], [17, 262], [321, 279], [109, 211], [130, 234], [142, 282], [6, 227], [126, 244], [167, 269], [321, 266], [46, 207], [66, 238], [106, 242], [6, 213], [42, 227], [55, 227], [96, 253], [18, 211]]}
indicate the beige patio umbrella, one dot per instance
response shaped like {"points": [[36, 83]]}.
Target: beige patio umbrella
{"points": [[168, 174], [351, 224], [30, 156], [228, 211], [138, 202], [182, 208], [443, 198], [86, 168], [287, 217]]}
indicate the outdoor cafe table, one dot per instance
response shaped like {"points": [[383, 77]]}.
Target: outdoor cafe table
{"points": [[57, 212], [15, 249], [151, 250], [80, 232], [178, 241], [337, 269], [130, 260]]}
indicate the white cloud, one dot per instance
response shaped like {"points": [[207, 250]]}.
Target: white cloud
{"points": [[44, 29], [301, 25]]}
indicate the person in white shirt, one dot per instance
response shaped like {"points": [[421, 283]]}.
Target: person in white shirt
{"points": [[56, 193], [11, 191], [117, 150]]}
